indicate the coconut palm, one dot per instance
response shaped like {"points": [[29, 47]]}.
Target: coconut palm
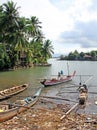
{"points": [[13, 30], [9, 21], [47, 50], [17, 32], [35, 25], [33, 28]]}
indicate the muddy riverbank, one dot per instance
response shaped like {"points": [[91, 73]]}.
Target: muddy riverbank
{"points": [[45, 115]]}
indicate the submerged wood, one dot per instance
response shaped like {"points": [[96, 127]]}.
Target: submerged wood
{"points": [[11, 110], [7, 93], [57, 98]]}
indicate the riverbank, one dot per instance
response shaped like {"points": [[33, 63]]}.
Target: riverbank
{"points": [[45, 115]]}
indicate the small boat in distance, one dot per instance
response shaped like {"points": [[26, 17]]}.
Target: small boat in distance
{"points": [[56, 81], [7, 93], [9, 110], [43, 65]]}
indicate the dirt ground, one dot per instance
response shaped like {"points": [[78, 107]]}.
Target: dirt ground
{"points": [[46, 115]]}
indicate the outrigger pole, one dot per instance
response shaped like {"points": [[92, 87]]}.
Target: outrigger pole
{"points": [[70, 110], [88, 80]]}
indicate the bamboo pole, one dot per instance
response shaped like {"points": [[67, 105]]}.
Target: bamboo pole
{"points": [[88, 80], [69, 111], [77, 85], [57, 98]]}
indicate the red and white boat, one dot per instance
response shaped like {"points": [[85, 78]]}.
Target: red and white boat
{"points": [[55, 81]]}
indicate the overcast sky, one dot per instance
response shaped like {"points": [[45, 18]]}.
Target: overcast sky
{"points": [[69, 24]]}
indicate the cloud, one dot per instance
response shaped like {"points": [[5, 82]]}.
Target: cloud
{"points": [[62, 4], [69, 24], [84, 34]]}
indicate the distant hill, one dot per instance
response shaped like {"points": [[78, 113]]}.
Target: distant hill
{"points": [[56, 55]]}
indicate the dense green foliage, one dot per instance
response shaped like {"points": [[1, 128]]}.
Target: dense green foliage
{"points": [[21, 40], [80, 56]]}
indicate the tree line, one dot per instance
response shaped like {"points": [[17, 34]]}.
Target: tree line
{"points": [[22, 42], [92, 55]]}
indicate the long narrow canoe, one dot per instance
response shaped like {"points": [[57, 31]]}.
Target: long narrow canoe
{"points": [[8, 110], [7, 93], [83, 94], [56, 81]]}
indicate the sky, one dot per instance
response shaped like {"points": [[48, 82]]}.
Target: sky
{"points": [[69, 24]]}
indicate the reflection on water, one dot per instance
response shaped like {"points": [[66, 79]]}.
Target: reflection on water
{"points": [[35, 74]]}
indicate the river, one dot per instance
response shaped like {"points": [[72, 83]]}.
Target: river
{"points": [[35, 74]]}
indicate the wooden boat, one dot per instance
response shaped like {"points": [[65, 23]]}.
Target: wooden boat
{"points": [[7, 93], [8, 110], [83, 94], [43, 65], [56, 81]]}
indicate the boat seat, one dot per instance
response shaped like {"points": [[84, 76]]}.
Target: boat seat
{"points": [[15, 88], [1, 93], [11, 89], [18, 87], [24, 85], [6, 91], [3, 108], [28, 99]]}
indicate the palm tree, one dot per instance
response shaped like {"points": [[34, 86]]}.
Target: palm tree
{"points": [[35, 47], [4, 58], [22, 36], [12, 31], [47, 50], [36, 35], [9, 21], [14, 27], [33, 28], [35, 25]]}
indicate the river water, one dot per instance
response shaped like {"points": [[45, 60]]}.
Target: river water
{"points": [[33, 76]]}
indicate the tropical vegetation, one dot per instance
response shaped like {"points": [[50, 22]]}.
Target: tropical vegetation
{"points": [[22, 42], [92, 55]]}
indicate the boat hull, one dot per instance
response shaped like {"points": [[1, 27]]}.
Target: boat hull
{"points": [[7, 93], [53, 82], [57, 82], [10, 113], [4, 116]]}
